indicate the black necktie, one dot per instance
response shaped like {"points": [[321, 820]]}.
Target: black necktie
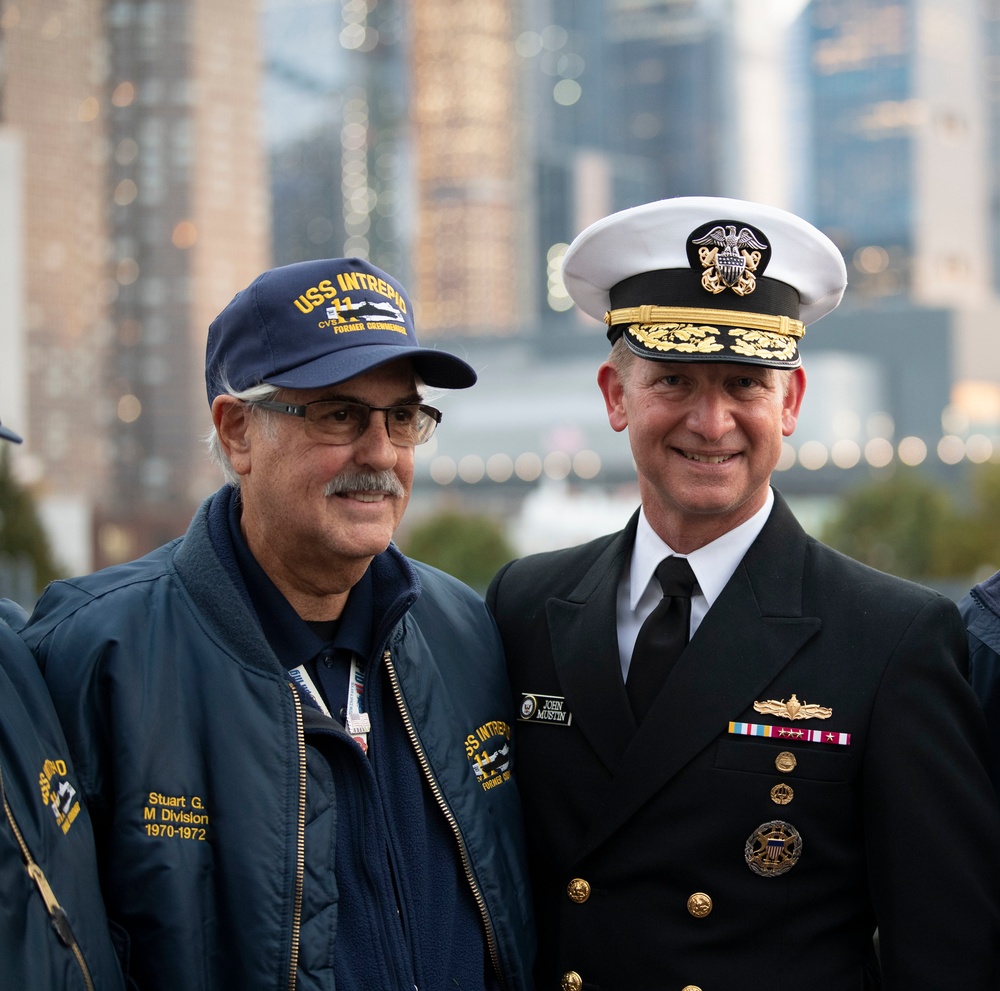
{"points": [[662, 636]]}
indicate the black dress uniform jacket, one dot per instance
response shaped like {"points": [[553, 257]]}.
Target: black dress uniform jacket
{"points": [[899, 829]]}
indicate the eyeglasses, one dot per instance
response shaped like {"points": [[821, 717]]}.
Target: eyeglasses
{"points": [[331, 421]]}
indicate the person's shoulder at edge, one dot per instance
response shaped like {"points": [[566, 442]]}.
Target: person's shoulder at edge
{"points": [[983, 598], [561, 559], [12, 614]]}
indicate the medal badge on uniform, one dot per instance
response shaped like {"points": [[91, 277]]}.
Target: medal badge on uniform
{"points": [[773, 848]]}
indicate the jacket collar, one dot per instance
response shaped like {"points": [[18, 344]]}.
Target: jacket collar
{"points": [[212, 578], [987, 593]]}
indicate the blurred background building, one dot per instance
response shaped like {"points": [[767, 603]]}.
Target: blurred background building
{"points": [[155, 156], [143, 208]]}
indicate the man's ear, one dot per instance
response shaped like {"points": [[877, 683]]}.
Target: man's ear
{"points": [[231, 420], [796, 389], [613, 389]]}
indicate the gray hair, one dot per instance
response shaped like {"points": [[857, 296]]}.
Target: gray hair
{"points": [[255, 394], [621, 358]]}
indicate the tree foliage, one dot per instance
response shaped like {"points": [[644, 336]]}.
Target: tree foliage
{"points": [[21, 533], [911, 526], [470, 547]]}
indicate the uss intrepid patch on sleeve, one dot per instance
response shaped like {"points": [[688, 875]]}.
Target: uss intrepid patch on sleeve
{"points": [[550, 709]]}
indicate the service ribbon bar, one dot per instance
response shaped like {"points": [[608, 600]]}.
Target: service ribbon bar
{"points": [[790, 733]]}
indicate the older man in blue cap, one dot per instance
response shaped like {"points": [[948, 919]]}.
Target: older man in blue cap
{"points": [[53, 929], [741, 751], [295, 741]]}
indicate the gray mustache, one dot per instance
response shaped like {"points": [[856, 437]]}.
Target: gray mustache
{"points": [[365, 481]]}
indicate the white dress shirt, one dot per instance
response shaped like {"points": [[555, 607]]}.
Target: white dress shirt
{"points": [[713, 565]]}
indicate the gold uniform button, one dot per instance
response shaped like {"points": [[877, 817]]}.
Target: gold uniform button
{"points": [[571, 981], [690, 987], [699, 905], [578, 890], [785, 762]]}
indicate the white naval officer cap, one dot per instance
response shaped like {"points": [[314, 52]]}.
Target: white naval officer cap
{"points": [[683, 279]]}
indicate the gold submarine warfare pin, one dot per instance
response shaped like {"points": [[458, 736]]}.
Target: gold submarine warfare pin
{"points": [[793, 709]]}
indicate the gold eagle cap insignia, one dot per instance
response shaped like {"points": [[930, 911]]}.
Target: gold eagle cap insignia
{"points": [[793, 709]]}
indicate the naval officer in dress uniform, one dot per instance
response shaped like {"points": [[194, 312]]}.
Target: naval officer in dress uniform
{"points": [[740, 751]]}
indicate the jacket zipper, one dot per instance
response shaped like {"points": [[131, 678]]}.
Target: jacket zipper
{"points": [[59, 921], [300, 838], [448, 814]]}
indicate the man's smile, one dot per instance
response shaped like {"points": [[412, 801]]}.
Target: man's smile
{"points": [[710, 459], [364, 496]]}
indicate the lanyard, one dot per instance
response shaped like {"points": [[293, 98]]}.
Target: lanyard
{"points": [[308, 688], [358, 723]]}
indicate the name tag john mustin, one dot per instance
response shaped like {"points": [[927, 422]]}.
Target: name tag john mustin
{"points": [[549, 709]]}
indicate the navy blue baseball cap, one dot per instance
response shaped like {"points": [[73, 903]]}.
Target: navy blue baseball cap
{"points": [[7, 434], [317, 323]]}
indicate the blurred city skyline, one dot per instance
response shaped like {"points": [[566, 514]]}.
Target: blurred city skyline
{"points": [[156, 156]]}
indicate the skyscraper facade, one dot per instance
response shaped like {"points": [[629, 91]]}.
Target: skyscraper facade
{"points": [[337, 106], [470, 204], [189, 227], [902, 176], [145, 211], [51, 88]]}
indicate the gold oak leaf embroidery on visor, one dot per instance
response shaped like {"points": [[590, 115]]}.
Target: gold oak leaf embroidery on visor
{"points": [[762, 344], [685, 338]]}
